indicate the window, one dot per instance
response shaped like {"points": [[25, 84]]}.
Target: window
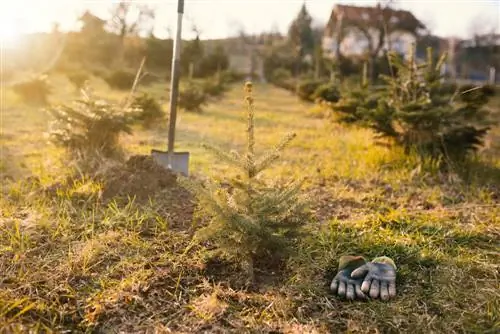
{"points": [[329, 44]]}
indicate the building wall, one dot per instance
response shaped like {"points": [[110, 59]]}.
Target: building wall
{"points": [[355, 43], [329, 45], [401, 42], [242, 63], [240, 53]]}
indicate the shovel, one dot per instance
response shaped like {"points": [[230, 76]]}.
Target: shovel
{"points": [[176, 161]]}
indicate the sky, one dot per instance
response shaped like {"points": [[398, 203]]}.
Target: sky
{"points": [[223, 18]]}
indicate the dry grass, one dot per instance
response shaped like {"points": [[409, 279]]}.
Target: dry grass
{"points": [[70, 262]]}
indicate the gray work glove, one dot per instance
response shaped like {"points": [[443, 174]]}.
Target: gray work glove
{"points": [[379, 278], [343, 284]]}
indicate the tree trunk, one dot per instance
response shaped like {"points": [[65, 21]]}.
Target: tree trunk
{"points": [[191, 70], [317, 67], [297, 64], [120, 56], [371, 68], [218, 75]]}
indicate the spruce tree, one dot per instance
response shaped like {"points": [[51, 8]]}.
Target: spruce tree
{"points": [[301, 35], [90, 128], [250, 219], [354, 102], [419, 113]]}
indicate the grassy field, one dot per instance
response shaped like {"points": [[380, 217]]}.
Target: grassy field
{"points": [[71, 261]]}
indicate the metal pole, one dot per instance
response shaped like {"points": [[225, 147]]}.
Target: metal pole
{"points": [[174, 82]]}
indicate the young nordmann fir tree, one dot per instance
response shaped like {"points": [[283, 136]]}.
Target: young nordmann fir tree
{"points": [[420, 115], [355, 101], [251, 220]]}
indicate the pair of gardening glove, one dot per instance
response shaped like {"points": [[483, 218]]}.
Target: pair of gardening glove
{"points": [[358, 279]]}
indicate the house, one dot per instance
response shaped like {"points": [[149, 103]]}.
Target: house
{"points": [[91, 24], [486, 40], [477, 56], [355, 31], [244, 53]]}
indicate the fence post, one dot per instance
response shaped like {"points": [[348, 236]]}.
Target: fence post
{"points": [[443, 72], [492, 75]]}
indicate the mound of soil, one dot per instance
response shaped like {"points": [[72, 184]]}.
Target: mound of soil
{"points": [[141, 177]]}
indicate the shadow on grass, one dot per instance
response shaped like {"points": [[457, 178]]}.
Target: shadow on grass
{"points": [[414, 246], [268, 273], [475, 173], [482, 173], [11, 168], [430, 247], [447, 237]]}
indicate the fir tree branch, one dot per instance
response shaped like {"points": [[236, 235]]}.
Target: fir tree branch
{"points": [[232, 158], [273, 154], [205, 196]]}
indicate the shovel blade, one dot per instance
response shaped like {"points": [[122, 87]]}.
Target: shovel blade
{"points": [[180, 161]]}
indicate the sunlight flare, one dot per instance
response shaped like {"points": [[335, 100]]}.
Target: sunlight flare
{"points": [[9, 33], [9, 28]]}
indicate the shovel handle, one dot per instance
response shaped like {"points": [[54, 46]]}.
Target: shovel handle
{"points": [[174, 82]]}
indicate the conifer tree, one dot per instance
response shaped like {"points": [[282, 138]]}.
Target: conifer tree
{"points": [[355, 101], [301, 35], [251, 219], [419, 114], [90, 127]]}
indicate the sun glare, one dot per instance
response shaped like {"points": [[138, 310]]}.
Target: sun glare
{"points": [[9, 29], [9, 35]]}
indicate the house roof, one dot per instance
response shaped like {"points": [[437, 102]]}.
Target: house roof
{"points": [[88, 16], [372, 16]]}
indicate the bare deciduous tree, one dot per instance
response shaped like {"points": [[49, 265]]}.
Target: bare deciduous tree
{"points": [[482, 30], [129, 18]]}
